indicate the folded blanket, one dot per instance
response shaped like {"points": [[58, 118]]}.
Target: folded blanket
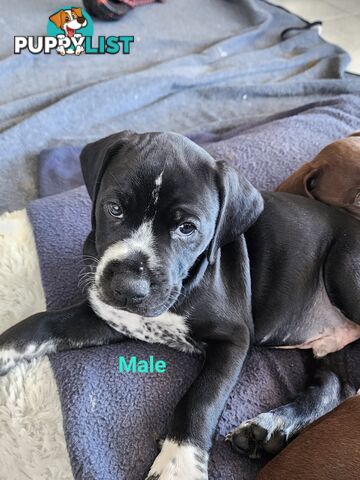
{"points": [[193, 64], [111, 420], [59, 170], [268, 151]]}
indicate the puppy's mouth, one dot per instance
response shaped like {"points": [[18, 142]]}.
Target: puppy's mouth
{"points": [[153, 307], [70, 31]]}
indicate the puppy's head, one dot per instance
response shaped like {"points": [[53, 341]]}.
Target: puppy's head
{"points": [[69, 20], [332, 177], [161, 205]]}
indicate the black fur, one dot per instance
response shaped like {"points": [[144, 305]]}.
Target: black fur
{"points": [[243, 277]]}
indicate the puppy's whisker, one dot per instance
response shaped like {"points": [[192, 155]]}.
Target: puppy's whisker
{"points": [[86, 279], [86, 268], [87, 272], [87, 275], [90, 257], [85, 285]]}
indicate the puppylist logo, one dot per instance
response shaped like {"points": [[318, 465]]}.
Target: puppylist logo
{"points": [[70, 32]]}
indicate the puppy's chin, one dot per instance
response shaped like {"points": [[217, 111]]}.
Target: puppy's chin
{"points": [[144, 309], [157, 308]]}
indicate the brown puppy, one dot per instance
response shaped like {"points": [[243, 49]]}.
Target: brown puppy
{"points": [[327, 450], [333, 177]]}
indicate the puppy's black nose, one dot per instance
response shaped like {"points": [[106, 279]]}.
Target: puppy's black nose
{"points": [[81, 19], [127, 288], [128, 280]]}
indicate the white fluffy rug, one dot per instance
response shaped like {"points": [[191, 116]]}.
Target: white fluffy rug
{"points": [[32, 442]]}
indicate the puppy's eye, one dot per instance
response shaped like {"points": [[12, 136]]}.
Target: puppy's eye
{"points": [[186, 229], [115, 210], [312, 181]]}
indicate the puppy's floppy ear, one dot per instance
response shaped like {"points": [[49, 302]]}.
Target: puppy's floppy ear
{"points": [[95, 157], [240, 206], [77, 11], [58, 18]]}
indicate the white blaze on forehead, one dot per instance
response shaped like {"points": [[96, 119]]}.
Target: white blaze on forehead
{"points": [[156, 191], [140, 241], [158, 180]]}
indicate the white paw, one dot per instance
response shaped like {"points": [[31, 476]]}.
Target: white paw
{"points": [[61, 50], [10, 357], [79, 49], [179, 461]]}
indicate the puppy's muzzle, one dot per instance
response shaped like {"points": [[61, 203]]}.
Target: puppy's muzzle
{"points": [[81, 20], [128, 281]]}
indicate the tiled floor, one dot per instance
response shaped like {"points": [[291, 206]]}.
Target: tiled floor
{"points": [[341, 22]]}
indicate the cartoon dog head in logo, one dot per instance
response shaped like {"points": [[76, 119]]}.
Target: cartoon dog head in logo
{"points": [[69, 20]]}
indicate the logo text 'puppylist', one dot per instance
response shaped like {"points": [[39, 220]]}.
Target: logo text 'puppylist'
{"points": [[70, 32]]}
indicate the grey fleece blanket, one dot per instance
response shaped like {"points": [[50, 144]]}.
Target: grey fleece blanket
{"points": [[208, 64], [112, 420]]}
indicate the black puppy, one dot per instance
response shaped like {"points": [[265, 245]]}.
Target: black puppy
{"points": [[169, 263]]}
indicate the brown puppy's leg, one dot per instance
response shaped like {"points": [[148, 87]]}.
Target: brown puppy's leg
{"points": [[328, 450]]}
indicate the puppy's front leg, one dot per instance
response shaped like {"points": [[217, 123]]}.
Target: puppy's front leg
{"points": [[185, 451], [74, 327]]}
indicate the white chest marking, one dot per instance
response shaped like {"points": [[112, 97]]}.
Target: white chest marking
{"points": [[168, 328]]}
